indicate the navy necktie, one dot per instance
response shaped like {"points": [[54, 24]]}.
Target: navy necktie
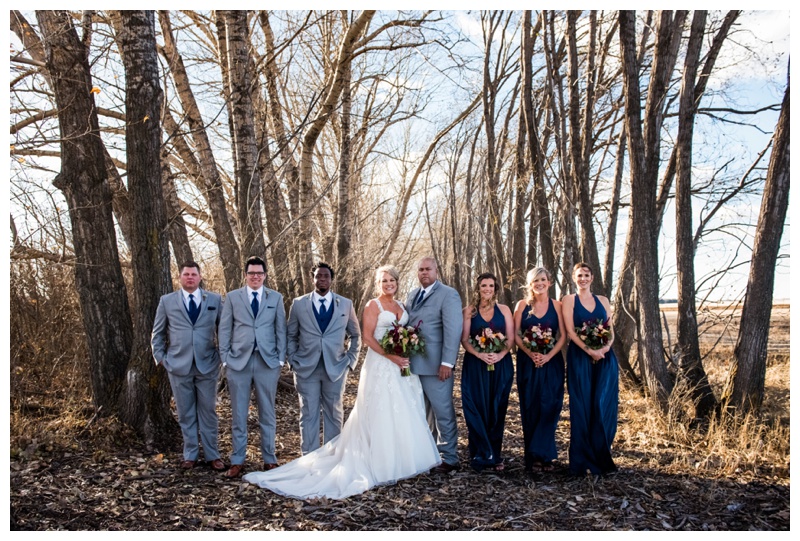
{"points": [[322, 310], [194, 311], [420, 297], [254, 304]]}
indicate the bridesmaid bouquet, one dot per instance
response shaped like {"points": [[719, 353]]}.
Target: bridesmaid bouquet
{"points": [[405, 341], [538, 339], [595, 334], [489, 341]]}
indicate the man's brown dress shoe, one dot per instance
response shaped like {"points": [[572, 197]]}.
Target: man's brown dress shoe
{"points": [[187, 464], [235, 470], [217, 464], [444, 467], [268, 467]]}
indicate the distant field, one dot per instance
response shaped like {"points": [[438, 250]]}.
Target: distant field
{"points": [[719, 324]]}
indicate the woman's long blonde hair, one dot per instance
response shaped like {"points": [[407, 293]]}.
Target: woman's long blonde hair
{"points": [[531, 276]]}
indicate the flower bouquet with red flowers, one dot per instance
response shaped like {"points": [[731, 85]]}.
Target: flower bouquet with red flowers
{"points": [[595, 334], [405, 341], [538, 339]]}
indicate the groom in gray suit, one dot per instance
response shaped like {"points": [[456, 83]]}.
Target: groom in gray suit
{"points": [[252, 343], [320, 324], [439, 308], [183, 343]]}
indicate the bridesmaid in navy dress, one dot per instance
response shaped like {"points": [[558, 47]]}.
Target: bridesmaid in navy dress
{"points": [[484, 392], [540, 376], [592, 381]]}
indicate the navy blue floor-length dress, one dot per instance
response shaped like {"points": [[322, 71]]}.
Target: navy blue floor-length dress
{"points": [[593, 401], [541, 393], [484, 397]]}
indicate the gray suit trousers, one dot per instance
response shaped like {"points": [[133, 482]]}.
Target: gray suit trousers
{"points": [[318, 391], [264, 379], [441, 415], [196, 400]]}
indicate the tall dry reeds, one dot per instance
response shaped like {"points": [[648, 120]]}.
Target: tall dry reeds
{"points": [[48, 360], [716, 447]]}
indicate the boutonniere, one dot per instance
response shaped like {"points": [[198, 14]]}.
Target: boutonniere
{"points": [[205, 295], [337, 302]]}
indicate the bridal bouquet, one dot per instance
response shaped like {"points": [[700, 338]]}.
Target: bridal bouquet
{"points": [[489, 341], [405, 341], [595, 334], [538, 339]]}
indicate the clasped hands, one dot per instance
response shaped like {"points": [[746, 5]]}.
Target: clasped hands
{"points": [[490, 358], [598, 354], [539, 359]]}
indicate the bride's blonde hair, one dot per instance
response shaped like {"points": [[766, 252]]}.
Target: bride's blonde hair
{"points": [[388, 269]]}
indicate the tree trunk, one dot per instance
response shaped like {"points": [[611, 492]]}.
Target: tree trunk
{"points": [[344, 221], [248, 183], [276, 214], [699, 90], [521, 203], [613, 213], [312, 133], [644, 164], [580, 144], [146, 399], [744, 391], [624, 335], [540, 213], [565, 224], [211, 188], [119, 196], [98, 275], [497, 255], [177, 227], [690, 366]]}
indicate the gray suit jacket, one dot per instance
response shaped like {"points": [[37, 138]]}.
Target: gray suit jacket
{"points": [[440, 312], [176, 342], [307, 342], [239, 330]]}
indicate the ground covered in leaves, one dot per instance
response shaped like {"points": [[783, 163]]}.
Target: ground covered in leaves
{"points": [[104, 479]]}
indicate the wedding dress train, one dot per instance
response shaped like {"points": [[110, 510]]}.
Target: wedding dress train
{"points": [[385, 439]]}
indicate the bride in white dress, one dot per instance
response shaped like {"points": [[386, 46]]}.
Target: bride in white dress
{"points": [[386, 437]]}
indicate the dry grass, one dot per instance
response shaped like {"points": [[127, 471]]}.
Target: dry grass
{"points": [[677, 443]]}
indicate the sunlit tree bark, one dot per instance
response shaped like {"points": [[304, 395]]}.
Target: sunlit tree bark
{"points": [[98, 275]]}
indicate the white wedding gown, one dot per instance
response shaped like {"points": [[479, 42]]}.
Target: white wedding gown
{"points": [[385, 439]]}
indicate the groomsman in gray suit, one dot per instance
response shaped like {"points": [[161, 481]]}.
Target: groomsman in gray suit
{"points": [[252, 343], [320, 324], [439, 308], [183, 342]]}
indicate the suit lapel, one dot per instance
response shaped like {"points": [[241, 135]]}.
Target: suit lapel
{"points": [[262, 304], [427, 296], [334, 309], [182, 307], [310, 310]]}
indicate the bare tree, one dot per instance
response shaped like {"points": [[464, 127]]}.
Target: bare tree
{"points": [[581, 141], [146, 398], [204, 164], [744, 391], [540, 222], [690, 367], [98, 275], [644, 151], [238, 81]]}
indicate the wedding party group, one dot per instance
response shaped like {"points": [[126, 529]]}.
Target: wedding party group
{"points": [[403, 422]]}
